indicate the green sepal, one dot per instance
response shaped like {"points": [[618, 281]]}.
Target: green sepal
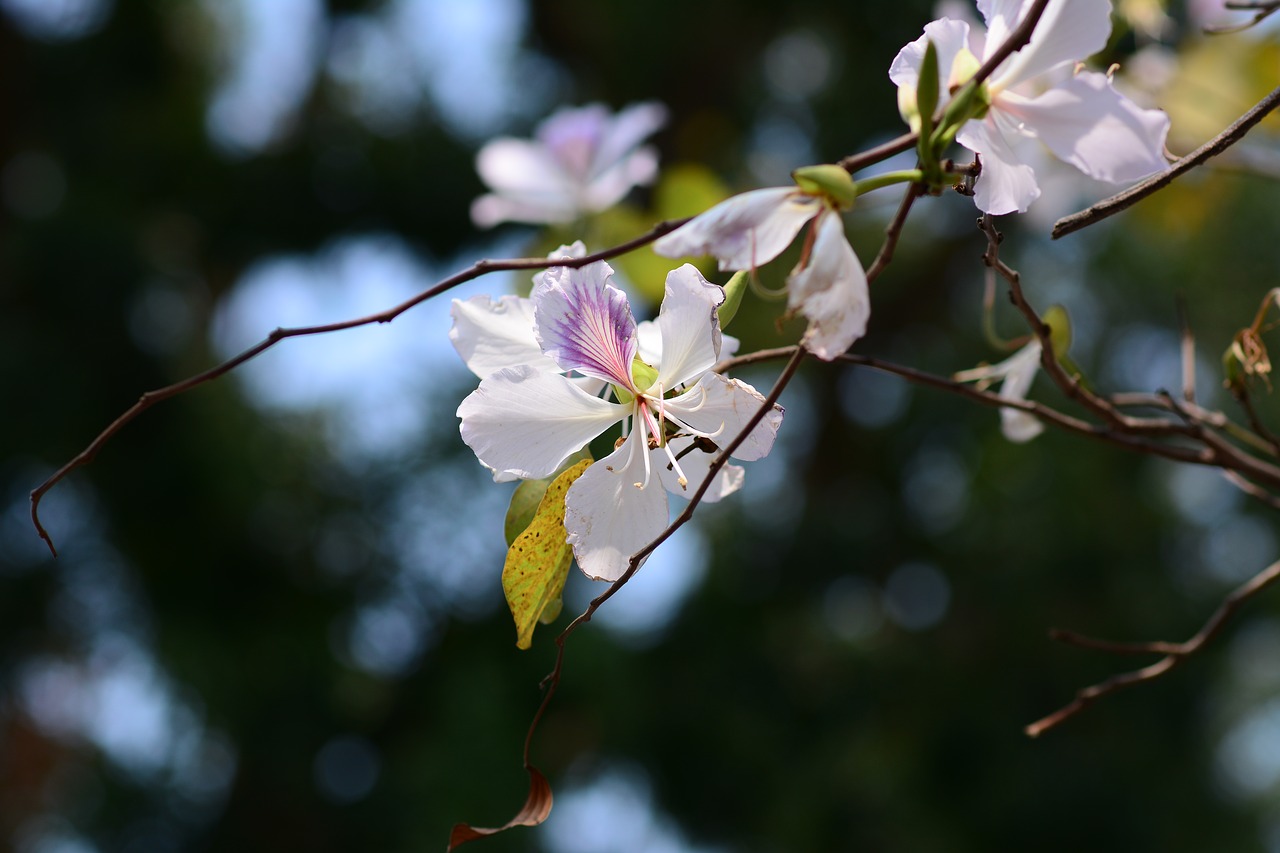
{"points": [[927, 99], [828, 180], [1059, 324], [733, 290]]}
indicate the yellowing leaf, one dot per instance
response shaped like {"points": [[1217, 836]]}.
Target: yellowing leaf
{"points": [[539, 559], [528, 495]]}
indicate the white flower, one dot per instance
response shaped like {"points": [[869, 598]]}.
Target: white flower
{"points": [[828, 286], [1083, 120], [526, 422], [1015, 373], [583, 160]]}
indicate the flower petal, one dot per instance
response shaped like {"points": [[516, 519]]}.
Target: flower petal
{"points": [[831, 291], [612, 185], [608, 517], [524, 422], [625, 132], [721, 408], [1020, 371], [492, 335], [584, 323], [1090, 125], [1065, 33], [529, 185], [694, 463], [689, 326], [745, 231], [1006, 184], [949, 38]]}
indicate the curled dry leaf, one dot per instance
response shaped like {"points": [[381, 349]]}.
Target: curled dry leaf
{"points": [[536, 809]]}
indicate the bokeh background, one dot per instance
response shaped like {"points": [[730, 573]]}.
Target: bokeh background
{"points": [[276, 621]]}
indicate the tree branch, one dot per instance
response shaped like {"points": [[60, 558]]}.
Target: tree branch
{"points": [[1155, 183], [1175, 654]]}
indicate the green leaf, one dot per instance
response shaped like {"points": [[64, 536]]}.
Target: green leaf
{"points": [[539, 559]]}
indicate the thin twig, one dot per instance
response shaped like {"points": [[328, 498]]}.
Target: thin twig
{"points": [[892, 233], [1174, 653], [151, 398], [1136, 193]]}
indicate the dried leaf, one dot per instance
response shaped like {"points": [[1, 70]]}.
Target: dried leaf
{"points": [[539, 559], [536, 809]]}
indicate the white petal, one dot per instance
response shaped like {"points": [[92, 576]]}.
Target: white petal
{"points": [[745, 231], [721, 407], [1020, 371], [1090, 125], [949, 38], [689, 326], [492, 335], [529, 185], [576, 249], [524, 422], [1006, 184], [1067, 32], [584, 323], [608, 517], [694, 463], [831, 291]]}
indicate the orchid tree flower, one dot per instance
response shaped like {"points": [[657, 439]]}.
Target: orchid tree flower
{"points": [[828, 285], [526, 422], [1015, 375], [581, 160], [1033, 96]]}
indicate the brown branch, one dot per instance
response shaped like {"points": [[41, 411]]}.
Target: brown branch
{"points": [[150, 398], [892, 233], [1155, 183], [1174, 653]]}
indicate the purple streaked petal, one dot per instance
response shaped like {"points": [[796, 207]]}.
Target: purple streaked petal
{"points": [[584, 323]]}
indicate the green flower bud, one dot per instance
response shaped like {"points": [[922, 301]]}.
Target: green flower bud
{"points": [[828, 180]]}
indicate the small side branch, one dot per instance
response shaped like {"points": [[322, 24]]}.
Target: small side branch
{"points": [[1155, 183], [1175, 654]]}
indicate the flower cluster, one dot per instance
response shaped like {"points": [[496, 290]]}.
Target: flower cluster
{"points": [[1079, 116], [560, 368], [593, 367]]}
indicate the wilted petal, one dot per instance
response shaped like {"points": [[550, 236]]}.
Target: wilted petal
{"points": [[584, 323], [608, 517], [694, 463], [524, 422], [689, 326], [721, 407], [1006, 183], [1090, 125], [745, 231], [1019, 372], [492, 335], [1068, 31], [831, 291]]}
